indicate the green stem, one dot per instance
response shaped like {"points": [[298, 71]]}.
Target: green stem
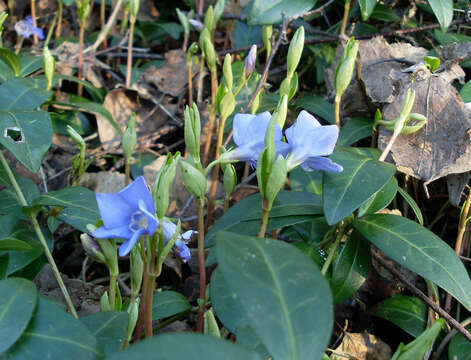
{"points": [[226, 202], [345, 17], [332, 250], [202, 266], [264, 223], [40, 236], [337, 110], [113, 279], [129, 63], [127, 174]]}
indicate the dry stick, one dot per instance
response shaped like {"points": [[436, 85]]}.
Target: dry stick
{"points": [[102, 18], [417, 292], [459, 240], [199, 94], [59, 19], [212, 114], [200, 7], [33, 16]]}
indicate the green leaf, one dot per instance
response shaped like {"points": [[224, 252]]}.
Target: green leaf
{"points": [[384, 13], [355, 129], [14, 245], [351, 268], [10, 203], [361, 178], [11, 59], [21, 94], [53, 333], [289, 207], [17, 303], [415, 207], [4, 260], [109, 328], [459, 348], [407, 312], [367, 7], [381, 199], [310, 181], [185, 346], [92, 108], [30, 63], [465, 92], [248, 339], [419, 250], [269, 11], [443, 10], [80, 206], [87, 85], [282, 292], [168, 303], [317, 106]]}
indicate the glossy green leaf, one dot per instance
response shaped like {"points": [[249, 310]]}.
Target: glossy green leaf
{"points": [[17, 303], [21, 94], [355, 129], [314, 253], [366, 8], [351, 268], [414, 206], [168, 303], [11, 59], [459, 348], [247, 338], [407, 312], [381, 199], [465, 92], [289, 207], [80, 206], [30, 63], [443, 10], [361, 178], [4, 260], [269, 11], [311, 232], [53, 333], [109, 328], [12, 244], [282, 292], [10, 204], [92, 108], [310, 181], [185, 346], [419, 250], [317, 106], [384, 13]]}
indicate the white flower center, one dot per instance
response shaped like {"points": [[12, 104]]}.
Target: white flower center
{"points": [[138, 221]]}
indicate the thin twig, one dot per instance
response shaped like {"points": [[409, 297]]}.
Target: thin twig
{"points": [[417, 292]]}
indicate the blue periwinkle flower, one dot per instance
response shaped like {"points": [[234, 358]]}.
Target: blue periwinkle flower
{"points": [[249, 135], [127, 214], [310, 142], [26, 28], [168, 229]]}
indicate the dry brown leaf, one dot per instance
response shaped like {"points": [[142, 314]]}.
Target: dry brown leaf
{"points": [[362, 346]]}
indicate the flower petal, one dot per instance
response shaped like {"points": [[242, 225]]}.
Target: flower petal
{"points": [[183, 250], [114, 210], [168, 229], [117, 232], [297, 133], [240, 126], [152, 221], [136, 191], [322, 140], [38, 32], [248, 152], [282, 148], [321, 163], [186, 236], [127, 246]]}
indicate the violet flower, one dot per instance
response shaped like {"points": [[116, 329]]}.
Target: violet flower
{"points": [[249, 135], [310, 142], [25, 28], [127, 214], [250, 61], [198, 25], [168, 229]]}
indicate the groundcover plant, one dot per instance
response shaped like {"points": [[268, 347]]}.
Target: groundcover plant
{"points": [[260, 179]]}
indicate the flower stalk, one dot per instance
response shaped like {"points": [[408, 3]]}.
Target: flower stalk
{"points": [[201, 264]]}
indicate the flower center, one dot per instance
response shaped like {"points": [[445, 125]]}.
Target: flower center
{"points": [[138, 221]]}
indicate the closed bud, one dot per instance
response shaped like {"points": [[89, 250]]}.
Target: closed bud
{"points": [[256, 103], [346, 66], [209, 52], [133, 311], [285, 87], [227, 71], [162, 184], [130, 138], [250, 61], [276, 180], [76, 138], [230, 178], [109, 250], [267, 32], [281, 111], [210, 324], [198, 25], [228, 104], [219, 10], [92, 249], [183, 20], [209, 19], [105, 302], [49, 64], [194, 180], [295, 51], [193, 131], [136, 269], [83, 9], [134, 9]]}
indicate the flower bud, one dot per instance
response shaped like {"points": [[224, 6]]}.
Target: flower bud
{"points": [[76, 137], [250, 61], [210, 324], [136, 269], [228, 104], [194, 180], [130, 138], [281, 111], [256, 103], [183, 20], [133, 311], [230, 178], [267, 32], [346, 66], [227, 71], [198, 25], [92, 249], [219, 10], [193, 131], [49, 64], [83, 9], [209, 19], [162, 184], [295, 51], [134, 9], [105, 302], [209, 52], [276, 180]]}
